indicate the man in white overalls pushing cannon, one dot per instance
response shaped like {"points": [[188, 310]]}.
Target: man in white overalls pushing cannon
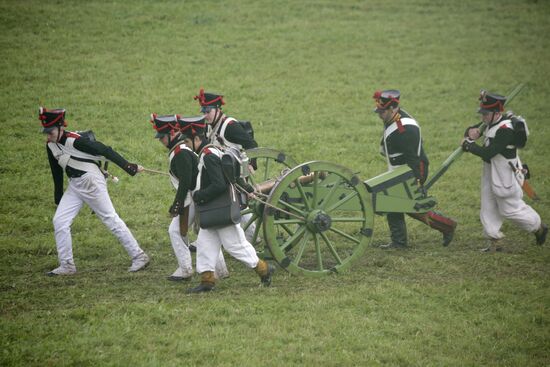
{"points": [[501, 192]]}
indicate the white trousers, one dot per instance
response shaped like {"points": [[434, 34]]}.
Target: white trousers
{"points": [[508, 204], [90, 188], [181, 249], [232, 239]]}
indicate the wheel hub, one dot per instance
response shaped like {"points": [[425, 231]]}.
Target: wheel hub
{"points": [[318, 221]]}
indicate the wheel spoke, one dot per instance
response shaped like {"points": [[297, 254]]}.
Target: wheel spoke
{"points": [[318, 252], [293, 238], [302, 193], [290, 206], [342, 201], [288, 221], [331, 248], [347, 219], [250, 221], [257, 231], [327, 198], [351, 238], [285, 227], [303, 244], [248, 210]]}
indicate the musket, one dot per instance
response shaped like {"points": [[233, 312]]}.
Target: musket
{"points": [[526, 186], [458, 151]]}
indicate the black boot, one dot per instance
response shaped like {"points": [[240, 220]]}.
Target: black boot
{"points": [[201, 288], [206, 285], [398, 231], [265, 270], [541, 234], [448, 237]]}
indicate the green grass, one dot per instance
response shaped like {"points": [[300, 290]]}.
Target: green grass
{"points": [[303, 72]]}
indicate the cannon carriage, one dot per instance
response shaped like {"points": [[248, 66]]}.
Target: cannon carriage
{"points": [[316, 218]]}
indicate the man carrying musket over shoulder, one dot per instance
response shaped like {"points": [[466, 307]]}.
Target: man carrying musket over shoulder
{"points": [[501, 192]]}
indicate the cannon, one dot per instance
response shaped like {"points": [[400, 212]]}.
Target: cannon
{"points": [[316, 218]]}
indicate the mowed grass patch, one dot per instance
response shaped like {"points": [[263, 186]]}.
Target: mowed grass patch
{"points": [[303, 73]]}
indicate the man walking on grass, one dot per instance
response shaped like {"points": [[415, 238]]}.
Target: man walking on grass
{"points": [[501, 184], [79, 157], [211, 184], [183, 169], [402, 144], [224, 131]]}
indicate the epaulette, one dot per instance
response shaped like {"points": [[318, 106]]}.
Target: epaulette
{"points": [[71, 134], [400, 127]]}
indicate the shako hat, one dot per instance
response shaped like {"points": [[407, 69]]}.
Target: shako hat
{"points": [[209, 99], [191, 126], [164, 125], [386, 99], [490, 102], [51, 119]]}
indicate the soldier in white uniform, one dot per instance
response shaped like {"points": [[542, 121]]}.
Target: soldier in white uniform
{"points": [[224, 131], [183, 173], [501, 192], [79, 157], [402, 144], [211, 183]]}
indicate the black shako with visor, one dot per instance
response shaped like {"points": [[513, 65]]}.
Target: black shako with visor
{"points": [[225, 131]]}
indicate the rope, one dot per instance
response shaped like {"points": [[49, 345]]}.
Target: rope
{"points": [[255, 195], [155, 172]]}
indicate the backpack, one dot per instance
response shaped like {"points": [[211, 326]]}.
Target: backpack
{"points": [[87, 134], [235, 164], [247, 126], [521, 131]]}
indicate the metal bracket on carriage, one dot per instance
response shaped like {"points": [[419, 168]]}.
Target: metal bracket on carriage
{"points": [[427, 205]]}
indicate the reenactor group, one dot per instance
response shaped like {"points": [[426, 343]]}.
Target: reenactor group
{"points": [[195, 148]]}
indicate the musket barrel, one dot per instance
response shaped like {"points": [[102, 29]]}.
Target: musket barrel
{"points": [[458, 152]]}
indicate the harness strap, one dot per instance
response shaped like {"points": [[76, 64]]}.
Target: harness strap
{"points": [[64, 159], [175, 181], [219, 134], [396, 125], [215, 150], [491, 132]]}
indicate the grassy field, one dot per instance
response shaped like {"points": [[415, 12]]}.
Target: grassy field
{"points": [[303, 72]]}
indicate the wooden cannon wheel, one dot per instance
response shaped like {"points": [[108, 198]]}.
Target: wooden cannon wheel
{"points": [[322, 220], [271, 164]]}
